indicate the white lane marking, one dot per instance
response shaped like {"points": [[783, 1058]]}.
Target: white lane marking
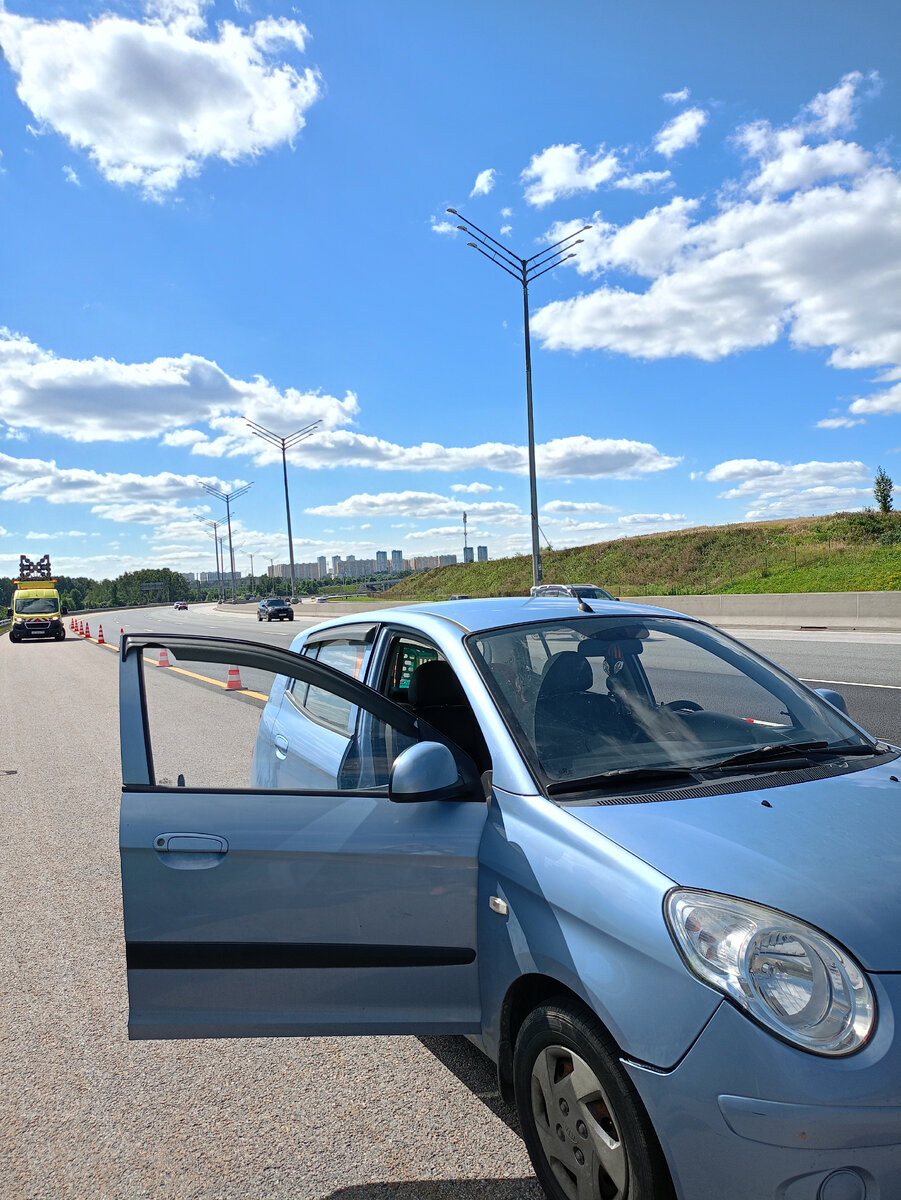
{"points": [[892, 687]]}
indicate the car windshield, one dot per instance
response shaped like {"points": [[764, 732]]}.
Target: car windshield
{"points": [[36, 605], [592, 696]]}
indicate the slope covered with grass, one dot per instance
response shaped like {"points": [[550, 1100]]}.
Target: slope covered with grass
{"points": [[839, 553]]}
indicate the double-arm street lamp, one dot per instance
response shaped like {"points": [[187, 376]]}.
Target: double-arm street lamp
{"points": [[214, 526], [228, 497], [524, 271], [284, 444]]}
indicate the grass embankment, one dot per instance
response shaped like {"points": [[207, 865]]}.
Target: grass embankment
{"points": [[844, 552]]}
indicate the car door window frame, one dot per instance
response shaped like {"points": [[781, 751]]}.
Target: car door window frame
{"points": [[137, 752]]}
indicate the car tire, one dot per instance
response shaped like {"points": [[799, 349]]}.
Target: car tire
{"points": [[14, 637], [61, 636], [268, 616], [291, 618], [259, 618], [584, 1125]]}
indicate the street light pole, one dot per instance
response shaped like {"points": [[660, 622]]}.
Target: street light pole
{"points": [[214, 525], [284, 444], [525, 271], [228, 497]]}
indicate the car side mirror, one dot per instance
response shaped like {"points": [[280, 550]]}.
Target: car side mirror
{"points": [[64, 612], [426, 771], [9, 612], [836, 699]]}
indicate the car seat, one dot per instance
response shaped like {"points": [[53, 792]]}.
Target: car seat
{"points": [[437, 696], [571, 720]]}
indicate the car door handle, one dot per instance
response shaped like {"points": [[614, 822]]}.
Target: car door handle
{"points": [[190, 851], [281, 746]]}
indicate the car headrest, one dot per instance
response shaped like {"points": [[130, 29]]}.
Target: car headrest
{"points": [[565, 674], [434, 684]]}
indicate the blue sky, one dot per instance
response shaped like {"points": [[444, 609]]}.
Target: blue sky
{"points": [[215, 211]]}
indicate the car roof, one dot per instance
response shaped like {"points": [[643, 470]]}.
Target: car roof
{"points": [[471, 616]]}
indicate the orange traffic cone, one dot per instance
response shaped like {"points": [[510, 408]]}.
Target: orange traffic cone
{"points": [[100, 641], [71, 624], [164, 658], [233, 684], [87, 630], [81, 628]]}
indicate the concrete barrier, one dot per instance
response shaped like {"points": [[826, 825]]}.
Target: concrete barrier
{"points": [[789, 610]]}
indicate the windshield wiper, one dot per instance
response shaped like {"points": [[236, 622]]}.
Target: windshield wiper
{"points": [[777, 750], [621, 775]]}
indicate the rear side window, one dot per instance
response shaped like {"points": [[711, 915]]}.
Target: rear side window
{"points": [[348, 653]]}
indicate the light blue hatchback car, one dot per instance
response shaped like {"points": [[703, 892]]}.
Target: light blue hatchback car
{"points": [[652, 875]]}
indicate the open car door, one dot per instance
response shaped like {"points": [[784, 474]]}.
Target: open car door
{"points": [[261, 912]]}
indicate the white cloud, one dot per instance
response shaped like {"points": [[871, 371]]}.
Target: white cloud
{"points": [[883, 403], [71, 177], [506, 230], [810, 502], [152, 101], [676, 97], [100, 399], [683, 130], [62, 533], [506, 212], [652, 519], [769, 479], [643, 181], [445, 227], [820, 265], [25, 479], [484, 182], [839, 423], [560, 458], [561, 507], [564, 170], [777, 490], [423, 505], [477, 489]]}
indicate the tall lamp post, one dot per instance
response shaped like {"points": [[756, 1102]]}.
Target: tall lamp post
{"points": [[214, 525], [228, 497], [284, 444], [524, 271]]}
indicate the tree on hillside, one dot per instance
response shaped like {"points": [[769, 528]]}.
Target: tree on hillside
{"points": [[882, 490]]}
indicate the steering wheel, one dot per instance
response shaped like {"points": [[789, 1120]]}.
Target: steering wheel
{"points": [[682, 706]]}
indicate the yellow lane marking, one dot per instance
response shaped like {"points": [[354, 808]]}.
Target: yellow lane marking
{"points": [[892, 687], [217, 682], [182, 671]]}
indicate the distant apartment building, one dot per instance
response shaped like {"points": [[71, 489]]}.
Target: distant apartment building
{"points": [[447, 560], [213, 577], [381, 561], [467, 554], [301, 571], [397, 560], [188, 576], [482, 552], [321, 564]]}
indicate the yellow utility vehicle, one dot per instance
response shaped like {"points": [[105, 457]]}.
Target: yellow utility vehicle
{"points": [[36, 611]]}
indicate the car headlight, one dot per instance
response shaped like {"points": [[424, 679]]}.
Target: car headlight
{"points": [[785, 974]]}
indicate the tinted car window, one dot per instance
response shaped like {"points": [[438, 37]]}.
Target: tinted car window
{"points": [[349, 654]]}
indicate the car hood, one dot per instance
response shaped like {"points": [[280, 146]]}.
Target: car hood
{"points": [[827, 851]]}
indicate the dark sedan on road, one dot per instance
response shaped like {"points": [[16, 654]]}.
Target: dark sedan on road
{"points": [[274, 608]]}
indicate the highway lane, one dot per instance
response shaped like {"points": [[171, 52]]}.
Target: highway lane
{"points": [[86, 1114]]}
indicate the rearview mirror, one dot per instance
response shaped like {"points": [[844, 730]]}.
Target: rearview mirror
{"points": [[426, 771]]}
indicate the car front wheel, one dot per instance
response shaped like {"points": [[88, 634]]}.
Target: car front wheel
{"points": [[584, 1125]]}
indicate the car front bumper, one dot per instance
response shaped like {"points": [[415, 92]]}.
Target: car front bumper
{"points": [[748, 1117]]}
